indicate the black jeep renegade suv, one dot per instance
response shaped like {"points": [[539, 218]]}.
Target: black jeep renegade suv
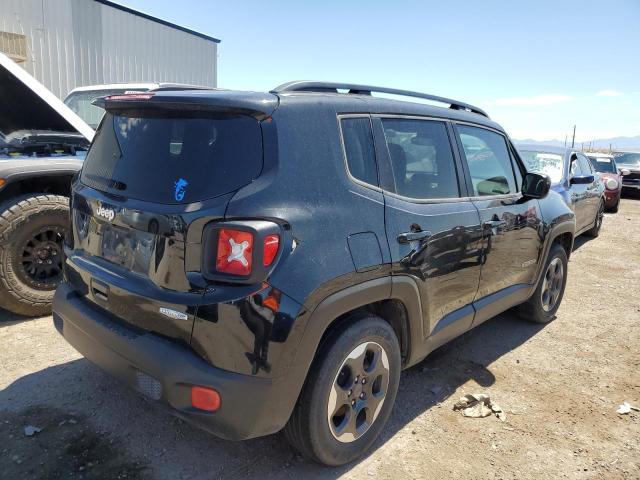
{"points": [[260, 261]]}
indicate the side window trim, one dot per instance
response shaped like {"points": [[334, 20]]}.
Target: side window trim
{"points": [[516, 163], [465, 165], [351, 177], [464, 178], [385, 173]]}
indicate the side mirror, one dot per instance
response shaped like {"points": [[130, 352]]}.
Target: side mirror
{"points": [[582, 179], [535, 185], [624, 171]]}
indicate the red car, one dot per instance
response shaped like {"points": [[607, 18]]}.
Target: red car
{"points": [[606, 167]]}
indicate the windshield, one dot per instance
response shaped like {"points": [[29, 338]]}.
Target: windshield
{"points": [[81, 103], [628, 159], [544, 162], [603, 164]]}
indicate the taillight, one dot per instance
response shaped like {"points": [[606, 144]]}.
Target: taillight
{"points": [[235, 252], [270, 249], [241, 251]]}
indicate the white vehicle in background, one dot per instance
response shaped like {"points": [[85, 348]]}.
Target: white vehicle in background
{"points": [[80, 99]]}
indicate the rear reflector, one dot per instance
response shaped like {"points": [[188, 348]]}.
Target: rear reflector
{"points": [[234, 253], [205, 399], [271, 244]]}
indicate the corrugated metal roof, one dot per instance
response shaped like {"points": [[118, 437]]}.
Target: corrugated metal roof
{"points": [[156, 19]]}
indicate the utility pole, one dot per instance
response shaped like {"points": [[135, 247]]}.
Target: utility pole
{"points": [[573, 139]]}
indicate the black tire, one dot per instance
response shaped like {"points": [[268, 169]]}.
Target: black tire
{"points": [[27, 281], [535, 309], [595, 230], [616, 207], [308, 429]]}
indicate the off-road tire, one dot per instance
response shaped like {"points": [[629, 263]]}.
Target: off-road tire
{"points": [[308, 428], [19, 218], [533, 309]]}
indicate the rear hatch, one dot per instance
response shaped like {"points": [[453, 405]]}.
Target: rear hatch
{"points": [[158, 171]]}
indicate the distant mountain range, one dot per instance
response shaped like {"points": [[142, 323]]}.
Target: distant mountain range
{"points": [[617, 143]]}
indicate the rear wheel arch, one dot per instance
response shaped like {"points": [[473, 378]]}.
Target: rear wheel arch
{"points": [[566, 241], [395, 299], [391, 298]]}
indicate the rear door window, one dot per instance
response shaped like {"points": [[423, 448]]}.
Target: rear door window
{"points": [[172, 157], [489, 161], [421, 158]]}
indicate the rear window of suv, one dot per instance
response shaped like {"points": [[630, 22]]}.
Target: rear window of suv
{"points": [[170, 158]]}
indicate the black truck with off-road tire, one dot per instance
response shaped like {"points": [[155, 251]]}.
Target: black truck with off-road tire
{"points": [[42, 145]]}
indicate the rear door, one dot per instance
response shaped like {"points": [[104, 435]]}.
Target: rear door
{"points": [[579, 193], [510, 223], [434, 234], [592, 200], [151, 181]]}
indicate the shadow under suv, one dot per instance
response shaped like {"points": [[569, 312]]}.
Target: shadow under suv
{"points": [[260, 261]]}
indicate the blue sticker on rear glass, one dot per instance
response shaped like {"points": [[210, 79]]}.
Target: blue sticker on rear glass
{"points": [[180, 189]]}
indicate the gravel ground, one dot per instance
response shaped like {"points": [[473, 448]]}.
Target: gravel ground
{"points": [[560, 385]]}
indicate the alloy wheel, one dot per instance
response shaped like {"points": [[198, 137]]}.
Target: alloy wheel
{"points": [[358, 392], [552, 284], [41, 258]]}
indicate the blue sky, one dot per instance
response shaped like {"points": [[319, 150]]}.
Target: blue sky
{"points": [[537, 67]]}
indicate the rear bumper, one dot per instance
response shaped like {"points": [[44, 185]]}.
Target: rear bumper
{"points": [[165, 371]]}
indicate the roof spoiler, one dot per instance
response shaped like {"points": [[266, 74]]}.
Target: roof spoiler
{"points": [[355, 89], [165, 100]]}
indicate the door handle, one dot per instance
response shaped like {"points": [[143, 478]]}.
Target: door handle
{"points": [[413, 236], [99, 290], [494, 223]]}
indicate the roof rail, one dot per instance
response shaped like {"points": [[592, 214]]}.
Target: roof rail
{"points": [[334, 87]]}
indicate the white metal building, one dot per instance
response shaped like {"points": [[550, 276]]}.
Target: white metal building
{"points": [[71, 43]]}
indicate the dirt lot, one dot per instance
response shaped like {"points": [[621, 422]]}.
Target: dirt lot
{"points": [[560, 385]]}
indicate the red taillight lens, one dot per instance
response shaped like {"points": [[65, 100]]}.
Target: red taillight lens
{"points": [[271, 244], [205, 399], [234, 254]]}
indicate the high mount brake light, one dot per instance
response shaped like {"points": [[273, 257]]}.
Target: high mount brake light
{"points": [[130, 96]]}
